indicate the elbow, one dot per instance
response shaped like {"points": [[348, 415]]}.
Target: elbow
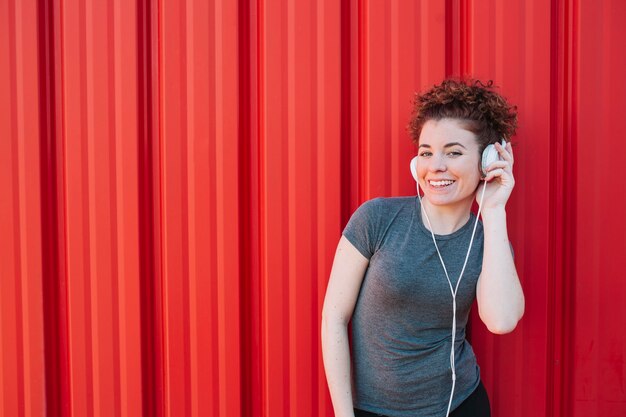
{"points": [[503, 325], [501, 320], [502, 328]]}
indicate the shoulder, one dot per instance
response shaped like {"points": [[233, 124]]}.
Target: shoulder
{"points": [[380, 212], [389, 203]]}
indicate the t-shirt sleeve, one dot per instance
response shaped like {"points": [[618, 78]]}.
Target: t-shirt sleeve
{"points": [[363, 228]]}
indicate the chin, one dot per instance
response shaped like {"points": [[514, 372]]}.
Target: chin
{"points": [[449, 202]]}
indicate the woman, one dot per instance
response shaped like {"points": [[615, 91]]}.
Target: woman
{"points": [[402, 263]]}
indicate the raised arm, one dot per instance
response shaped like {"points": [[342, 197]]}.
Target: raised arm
{"points": [[343, 288], [498, 292]]}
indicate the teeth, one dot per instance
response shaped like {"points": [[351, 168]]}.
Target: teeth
{"points": [[441, 183]]}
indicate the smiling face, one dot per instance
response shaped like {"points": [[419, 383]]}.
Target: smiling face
{"points": [[447, 163]]}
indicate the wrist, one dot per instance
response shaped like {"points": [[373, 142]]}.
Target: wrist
{"points": [[493, 212]]}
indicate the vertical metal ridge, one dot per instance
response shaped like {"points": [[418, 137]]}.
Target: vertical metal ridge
{"points": [[184, 142], [301, 104], [248, 292], [175, 206], [376, 148], [309, 291], [363, 150], [466, 38], [147, 149], [114, 154], [559, 126], [228, 257], [25, 132], [20, 383], [161, 312], [90, 232], [274, 237], [395, 79], [54, 278], [9, 218], [292, 171], [450, 37], [193, 90], [77, 203], [61, 101], [200, 88], [102, 206], [262, 193], [15, 351], [28, 338], [290, 195], [213, 362], [570, 135], [346, 70], [122, 239]]}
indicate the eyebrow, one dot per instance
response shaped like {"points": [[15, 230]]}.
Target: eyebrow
{"points": [[447, 145]]}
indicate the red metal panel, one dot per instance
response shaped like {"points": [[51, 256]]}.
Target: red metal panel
{"points": [[598, 345], [22, 379], [177, 175], [273, 211], [300, 78], [301, 182], [99, 66], [200, 207]]}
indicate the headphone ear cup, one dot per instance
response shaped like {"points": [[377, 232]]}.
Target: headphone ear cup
{"points": [[490, 155], [413, 166]]}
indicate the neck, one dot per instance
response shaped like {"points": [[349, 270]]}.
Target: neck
{"points": [[445, 219]]}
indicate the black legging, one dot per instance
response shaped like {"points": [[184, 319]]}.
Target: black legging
{"points": [[476, 405]]}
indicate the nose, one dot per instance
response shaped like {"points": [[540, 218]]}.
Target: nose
{"points": [[437, 163]]}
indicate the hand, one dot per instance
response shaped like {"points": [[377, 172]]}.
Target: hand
{"points": [[499, 179]]}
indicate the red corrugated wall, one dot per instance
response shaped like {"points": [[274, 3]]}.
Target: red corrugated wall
{"points": [[176, 175]]}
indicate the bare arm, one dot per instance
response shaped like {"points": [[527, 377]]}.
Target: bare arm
{"points": [[499, 292], [343, 288]]}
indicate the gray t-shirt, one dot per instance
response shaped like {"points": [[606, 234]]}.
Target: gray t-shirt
{"points": [[402, 321]]}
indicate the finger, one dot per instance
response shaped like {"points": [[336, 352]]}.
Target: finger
{"points": [[509, 148], [506, 165], [504, 153], [508, 152], [498, 172]]}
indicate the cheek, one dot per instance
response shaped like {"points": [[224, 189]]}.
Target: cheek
{"points": [[472, 177]]}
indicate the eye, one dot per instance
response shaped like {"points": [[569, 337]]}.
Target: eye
{"points": [[455, 153], [425, 154]]}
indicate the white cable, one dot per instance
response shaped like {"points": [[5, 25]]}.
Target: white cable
{"points": [[453, 290]]}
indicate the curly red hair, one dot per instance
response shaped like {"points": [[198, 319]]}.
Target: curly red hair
{"points": [[480, 109]]}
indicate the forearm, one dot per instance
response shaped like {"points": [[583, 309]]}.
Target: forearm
{"points": [[500, 295], [336, 354]]}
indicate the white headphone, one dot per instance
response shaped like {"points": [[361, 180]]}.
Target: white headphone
{"points": [[489, 156]]}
